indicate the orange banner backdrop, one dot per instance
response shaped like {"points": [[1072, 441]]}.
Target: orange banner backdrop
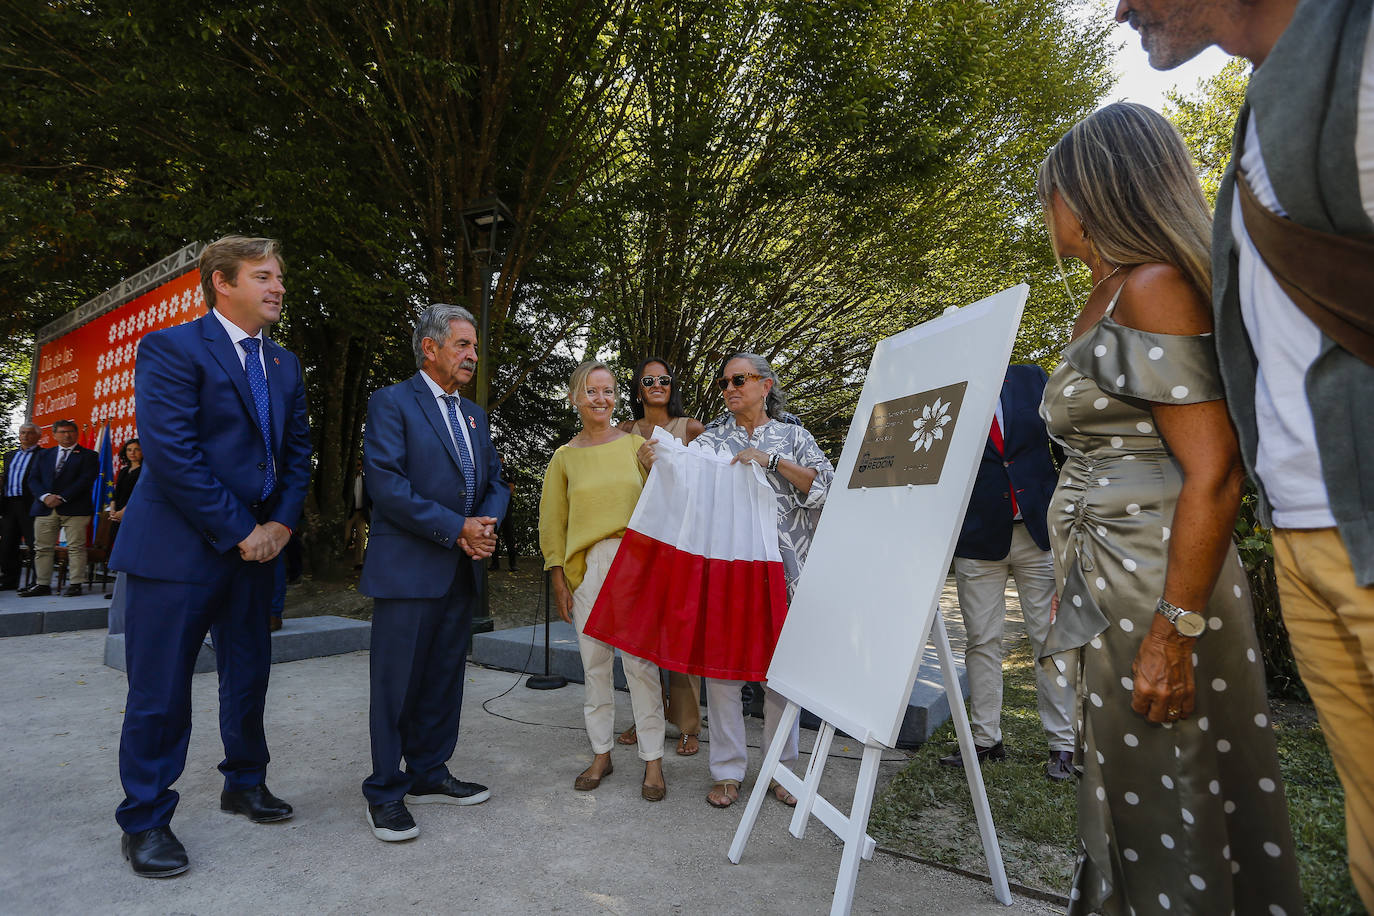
{"points": [[87, 374]]}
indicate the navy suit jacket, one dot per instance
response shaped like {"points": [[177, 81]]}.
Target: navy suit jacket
{"points": [[203, 462], [74, 484], [1024, 463], [418, 491]]}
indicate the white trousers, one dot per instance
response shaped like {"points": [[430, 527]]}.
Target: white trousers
{"points": [[729, 753], [982, 586], [598, 704]]}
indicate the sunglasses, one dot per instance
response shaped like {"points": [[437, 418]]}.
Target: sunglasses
{"points": [[649, 380], [736, 380]]}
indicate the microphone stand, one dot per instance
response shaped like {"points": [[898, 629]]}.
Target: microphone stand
{"points": [[546, 681]]}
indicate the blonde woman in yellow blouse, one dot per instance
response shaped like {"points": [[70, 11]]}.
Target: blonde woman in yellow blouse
{"points": [[590, 490]]}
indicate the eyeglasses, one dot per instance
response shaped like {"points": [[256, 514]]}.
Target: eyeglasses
{"points": [[649, 380], [736, 380]]}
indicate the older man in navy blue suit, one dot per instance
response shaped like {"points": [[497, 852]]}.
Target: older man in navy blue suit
{"points": [[437, 499], [226, 444], [1005, 534]]}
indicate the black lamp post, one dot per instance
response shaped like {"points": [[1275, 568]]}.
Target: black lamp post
{"points": [[487, 229]]}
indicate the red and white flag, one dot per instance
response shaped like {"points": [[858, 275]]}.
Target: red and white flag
{"points": [[697, 584]]}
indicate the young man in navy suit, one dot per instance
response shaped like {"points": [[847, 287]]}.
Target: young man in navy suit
{"points": [[61, 483], [16, 521], [226, 445], [437, 499], [1005, 534]]}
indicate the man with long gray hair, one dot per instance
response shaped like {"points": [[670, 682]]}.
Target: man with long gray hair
{"points": [[437, 499]]}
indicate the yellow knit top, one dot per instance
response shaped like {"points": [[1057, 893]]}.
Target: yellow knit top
{"points": [[589, 495]]}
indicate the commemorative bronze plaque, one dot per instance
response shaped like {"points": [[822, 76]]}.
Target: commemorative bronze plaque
{"points": [[908, 438]]}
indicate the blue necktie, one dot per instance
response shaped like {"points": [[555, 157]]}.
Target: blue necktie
{"points": [[257, 383], [464, 459]]}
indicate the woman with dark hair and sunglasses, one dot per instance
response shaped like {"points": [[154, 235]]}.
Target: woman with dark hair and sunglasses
{"points": [[655, 401], [800, 475]]}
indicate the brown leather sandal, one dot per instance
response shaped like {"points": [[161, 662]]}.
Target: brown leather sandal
{"points": [[688, 745], [628, 736], [782, 795], [727, 790]]}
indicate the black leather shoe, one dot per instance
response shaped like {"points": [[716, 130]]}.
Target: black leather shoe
{"points": [[155, 853], [1060, 766], [391, 822], [71, 591], [35, 591], [448, 792], [258, 804], [996, 752]]}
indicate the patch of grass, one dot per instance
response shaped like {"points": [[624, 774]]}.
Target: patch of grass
{"points": [[926, 810]]}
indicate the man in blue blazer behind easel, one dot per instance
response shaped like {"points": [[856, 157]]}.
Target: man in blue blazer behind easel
{"points": [[1005, 533], [437, 499], [226, 444]]}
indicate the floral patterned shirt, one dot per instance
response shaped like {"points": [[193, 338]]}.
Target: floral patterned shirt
{"points": [[798, 512]]}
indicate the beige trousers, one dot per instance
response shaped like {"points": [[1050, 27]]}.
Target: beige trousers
{"points": [[598, 705], [1330, 620], [45, 529], [982, 586]]}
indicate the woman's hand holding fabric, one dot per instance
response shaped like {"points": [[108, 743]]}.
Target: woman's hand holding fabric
{"points": [[562, 596]]}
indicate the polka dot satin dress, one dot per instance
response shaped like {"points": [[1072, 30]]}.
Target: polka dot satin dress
{"points": [[1186, 817]]}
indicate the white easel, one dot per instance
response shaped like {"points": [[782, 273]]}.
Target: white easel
{"points": [[852, 829], [851, 647]]}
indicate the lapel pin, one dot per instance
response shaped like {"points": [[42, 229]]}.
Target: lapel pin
{"points": [[472, 421], [276, 360]]}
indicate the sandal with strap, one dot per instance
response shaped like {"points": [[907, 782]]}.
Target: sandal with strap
{"points": [[782, 795], [628, 736], [688, 745], [726, 790]]}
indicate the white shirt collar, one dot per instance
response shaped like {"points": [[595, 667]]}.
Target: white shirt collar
{"points": [[236, 333], [434, 386]]}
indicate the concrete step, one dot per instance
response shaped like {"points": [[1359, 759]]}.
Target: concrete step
{"points": [[522, 649], [52, 613], [299, 637]]}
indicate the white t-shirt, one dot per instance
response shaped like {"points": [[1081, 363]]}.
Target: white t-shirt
{"points": [[1286, 341]]}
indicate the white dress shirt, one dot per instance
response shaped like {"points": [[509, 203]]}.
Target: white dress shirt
{"points": [[439, 395], [236, 334]]}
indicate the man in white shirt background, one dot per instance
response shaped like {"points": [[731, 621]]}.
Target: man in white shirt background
{"points": [[16, 522]]}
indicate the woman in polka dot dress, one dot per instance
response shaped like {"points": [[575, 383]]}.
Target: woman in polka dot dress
{"points": [[1180, 805]]}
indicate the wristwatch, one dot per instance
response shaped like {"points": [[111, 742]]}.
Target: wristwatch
{"points": [[1188, 623]]}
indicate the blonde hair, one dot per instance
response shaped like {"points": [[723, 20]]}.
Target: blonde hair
{"points": [[1125, 173], [578, 382], [226, 254]]}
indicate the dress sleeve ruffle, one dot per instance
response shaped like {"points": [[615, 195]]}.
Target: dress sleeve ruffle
{"points": [[1163, 368]]}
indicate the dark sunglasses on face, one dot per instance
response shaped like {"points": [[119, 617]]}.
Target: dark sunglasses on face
{"points": [[736, 380], [649, 380]]}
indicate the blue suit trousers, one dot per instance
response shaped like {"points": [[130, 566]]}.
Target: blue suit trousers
{"points": [[419, 654], [165, 627]]}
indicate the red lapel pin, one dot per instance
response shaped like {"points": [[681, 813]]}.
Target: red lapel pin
{"points": [[276, 360]]}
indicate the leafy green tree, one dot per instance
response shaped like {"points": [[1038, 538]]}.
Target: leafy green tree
{"points": [[1207, 119]]}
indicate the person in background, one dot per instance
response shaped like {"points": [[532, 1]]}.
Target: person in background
{"points": [[1292, 256], [16, 521], [62, 481], [130, 466], [1180, 804], [590, 490], [656, 401], [505, 535], [800, 476], [359, 514], [1004, 533]]}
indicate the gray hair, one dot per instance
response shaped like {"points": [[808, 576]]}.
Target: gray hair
{"points": [[777, 398], [434, 324]]}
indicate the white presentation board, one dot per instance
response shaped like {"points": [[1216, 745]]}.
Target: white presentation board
{"points": [[858, 623]]}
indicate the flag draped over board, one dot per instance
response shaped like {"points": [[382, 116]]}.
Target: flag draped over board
{"points": [[697, 585]]}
